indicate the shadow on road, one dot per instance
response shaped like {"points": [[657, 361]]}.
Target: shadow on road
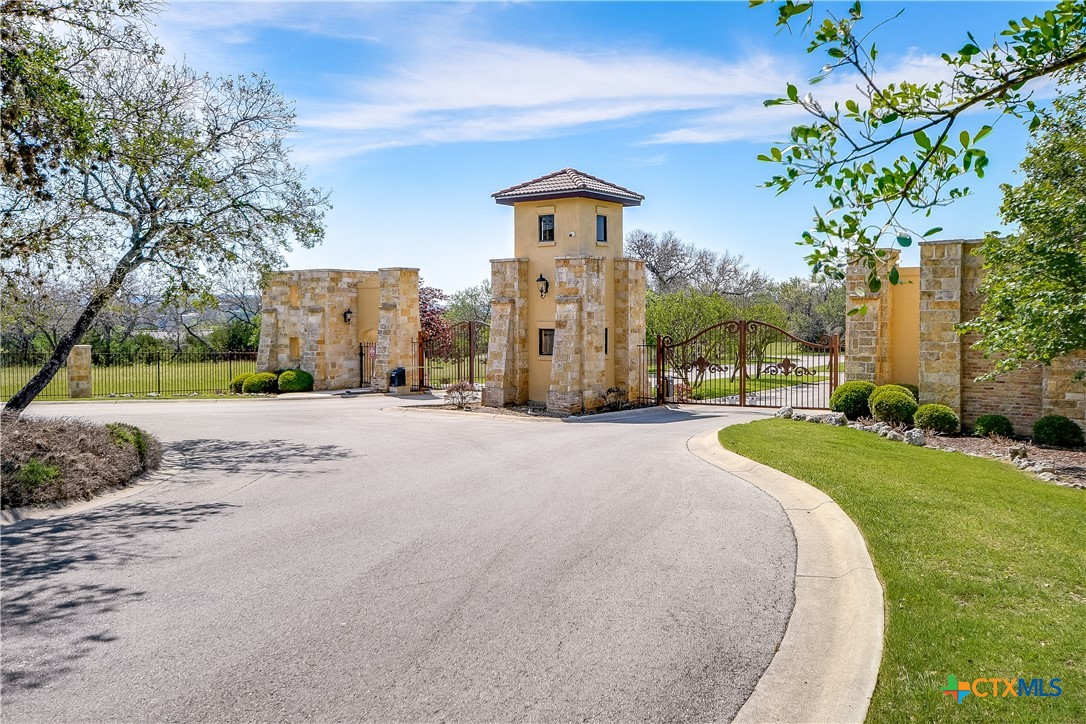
{"points": [[48, 618], [655, 415], [257, 457]]}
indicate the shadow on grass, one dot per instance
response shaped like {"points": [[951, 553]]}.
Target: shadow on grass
{"points": [[49, 609], [261, 457]]}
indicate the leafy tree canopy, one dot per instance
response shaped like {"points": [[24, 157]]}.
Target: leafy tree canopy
{"points": [[1034, 306], [900, 146]]}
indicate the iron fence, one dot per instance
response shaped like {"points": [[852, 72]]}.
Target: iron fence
{"points": [[16, 369], [146, 374]]}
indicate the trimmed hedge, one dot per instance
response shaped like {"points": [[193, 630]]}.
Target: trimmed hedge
{"points": [[238, 383], [913, 389], [987, 425], [295, 381], [939, 418], [886, 388], [1057, 431], [261, 383], [851, 398], [893, 406]]}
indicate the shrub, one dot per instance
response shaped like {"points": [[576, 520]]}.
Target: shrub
{"points": [[295, 381], [460, 394], [238, 382], [939, 418], [893, 406], [1057, 431], [851, 398], [886, 388], [913, 389], [988, 425], [261, 382], [125, 434]]}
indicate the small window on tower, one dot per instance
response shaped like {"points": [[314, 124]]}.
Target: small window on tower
{"points": [[546, 342], [546, 227], [601, 228]]}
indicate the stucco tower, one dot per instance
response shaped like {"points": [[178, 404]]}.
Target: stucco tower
{"points": [[568, 310]]}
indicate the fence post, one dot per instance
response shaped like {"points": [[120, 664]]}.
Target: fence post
{"points": [[471, 352], [422, 360], [659, 370], [834, 361], [158, 375], [742, 363], [80, 380]]}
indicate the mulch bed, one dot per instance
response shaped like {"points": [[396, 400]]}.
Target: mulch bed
{"points": [[1070, 465]]}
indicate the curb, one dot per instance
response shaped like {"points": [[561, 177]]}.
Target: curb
{"points": [[827, 664], [172, 463]]}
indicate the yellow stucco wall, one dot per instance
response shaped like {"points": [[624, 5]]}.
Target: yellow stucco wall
{"points": [[905, 327], [368, 308], [577, 215]]}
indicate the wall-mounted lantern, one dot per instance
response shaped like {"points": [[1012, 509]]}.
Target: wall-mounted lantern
{"points": [[347, 315], [543, 285]]}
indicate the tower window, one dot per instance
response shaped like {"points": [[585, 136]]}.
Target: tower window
{"points": [[546, 227], [546, 342], [601, 228]]}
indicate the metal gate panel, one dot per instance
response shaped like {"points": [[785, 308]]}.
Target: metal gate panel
{"points": [[457, 353]]}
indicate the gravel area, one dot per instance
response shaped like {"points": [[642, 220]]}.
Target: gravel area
{"points": [[1066, 467]]}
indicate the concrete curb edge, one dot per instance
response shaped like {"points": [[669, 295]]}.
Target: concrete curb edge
{"points": [[826, 666]]}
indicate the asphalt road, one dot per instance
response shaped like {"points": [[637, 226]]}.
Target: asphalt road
{"points": [[331, 560]]}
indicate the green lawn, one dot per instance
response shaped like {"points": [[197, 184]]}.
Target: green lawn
{"points": [[984, 568], [138, 379]]}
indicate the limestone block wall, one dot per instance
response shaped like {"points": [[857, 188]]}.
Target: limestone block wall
{"points": [[578, 367], [867, 336], [399, 325], [950, 277], [507, 353], [302, 323], [629, 329]]}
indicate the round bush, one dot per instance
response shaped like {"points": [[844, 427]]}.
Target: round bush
{"points": [[887, 388], [993, 425], [939, 418], [262, 382], [913, 389], [894, 407], [238, 383], [1057, 431], [295, 381], [851, 399]]}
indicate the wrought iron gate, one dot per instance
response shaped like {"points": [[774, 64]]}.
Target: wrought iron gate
{"points": [[367, 355], [456, 354], [746, 363]]}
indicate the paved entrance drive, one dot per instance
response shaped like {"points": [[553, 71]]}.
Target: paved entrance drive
{"points": [[331, 560]]}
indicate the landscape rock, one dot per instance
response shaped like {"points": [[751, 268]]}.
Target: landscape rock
{"points": [[915, 437], [1017, 452], [895, 436], [784, 413], [835, 418], [799, 416]]}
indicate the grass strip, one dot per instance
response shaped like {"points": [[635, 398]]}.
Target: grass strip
{"points": [[984, 568]]}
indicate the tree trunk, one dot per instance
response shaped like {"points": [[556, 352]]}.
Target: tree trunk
{"points": [[49, 370]]}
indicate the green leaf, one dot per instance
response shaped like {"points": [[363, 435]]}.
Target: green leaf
{"points": [[894, 275], [904, 240], [793, 93], [922, 140], [933, 230], [969, 50], [963, 137]]}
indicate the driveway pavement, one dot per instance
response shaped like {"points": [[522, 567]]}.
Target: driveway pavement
{"points": [[336, 560]]}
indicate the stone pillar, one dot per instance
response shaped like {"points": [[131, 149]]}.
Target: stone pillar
{"points": [[507, 352], [629, 332], [1061, 392], [940, 313], [578, 367], [867, 335], [399, 325], [79, 371]]}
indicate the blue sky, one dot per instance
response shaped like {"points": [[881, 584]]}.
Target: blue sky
{"points": [[413, 114]]}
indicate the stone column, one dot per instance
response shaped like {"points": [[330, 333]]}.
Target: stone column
{"points": [[1061, 393], [940, 313], [867, 335], [507, 351], [629, 332], [399, 324], [578, 367], [79, 371]]}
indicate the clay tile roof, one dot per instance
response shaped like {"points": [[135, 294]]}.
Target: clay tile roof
{"points": [[568, 183]]}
